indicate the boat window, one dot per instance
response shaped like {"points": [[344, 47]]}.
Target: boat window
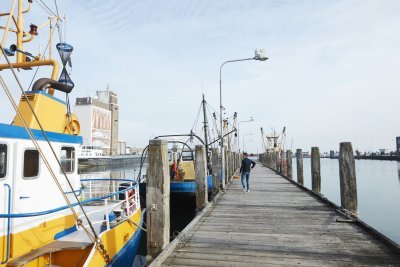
{"points": [[187, 155], [31, 163], [68, 159], [3, 160], [169, 156]]}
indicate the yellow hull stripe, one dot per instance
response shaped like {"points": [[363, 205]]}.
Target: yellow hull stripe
{"points": [[34, 238], [115, 239]]}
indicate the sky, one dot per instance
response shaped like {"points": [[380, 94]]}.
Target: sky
{"points": [[332, 75]]}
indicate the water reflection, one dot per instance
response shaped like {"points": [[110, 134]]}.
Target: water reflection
{"points": [[398, 170], [133, 171]]}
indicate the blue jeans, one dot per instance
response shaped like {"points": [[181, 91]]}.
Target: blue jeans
{"points": [[247, 175]]}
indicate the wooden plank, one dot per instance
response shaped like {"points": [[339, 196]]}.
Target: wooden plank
{"points": [[276, 224]]}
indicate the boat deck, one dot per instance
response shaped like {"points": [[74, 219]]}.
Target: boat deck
{"points": [[277, 223], [95, 218]]}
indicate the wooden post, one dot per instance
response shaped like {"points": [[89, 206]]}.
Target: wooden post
{"points": [[157, 198], [226, 166], [215, 170], [277, 161], [272, 160], [231, 166], [269, 160], [315, 170], [348, 182], [282, 163], [289, 164], [201, 177], [299, 163], [235, 161], [235, 154]]}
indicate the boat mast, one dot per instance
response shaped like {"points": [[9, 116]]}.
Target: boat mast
{"points": [[205, 130]]}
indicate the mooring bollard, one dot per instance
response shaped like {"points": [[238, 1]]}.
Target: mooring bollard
{"points": [[348, 181], [201, 177], [299, 163], [289, 164], [215, 170], [315, 170], [157, 198]]}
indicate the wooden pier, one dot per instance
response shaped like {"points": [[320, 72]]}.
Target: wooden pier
{"points": [[277, 223]]}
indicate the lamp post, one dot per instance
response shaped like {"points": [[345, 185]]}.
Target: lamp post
{"points": [[259, 55], [243, 139], [251, 119]]}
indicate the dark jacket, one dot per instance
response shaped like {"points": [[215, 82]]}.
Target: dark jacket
{"points": [[247, 164]]}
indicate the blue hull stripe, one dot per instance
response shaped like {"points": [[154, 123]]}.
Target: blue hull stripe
{"points": [[126, 256], [12, 131], [65, 232]]}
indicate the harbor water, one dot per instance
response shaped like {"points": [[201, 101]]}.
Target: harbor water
{"points": [[378, 189]]}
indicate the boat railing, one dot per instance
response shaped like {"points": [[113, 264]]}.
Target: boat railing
{"points": [[8, 225], [124, 204], [127, 192]]}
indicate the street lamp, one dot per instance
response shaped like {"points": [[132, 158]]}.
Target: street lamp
{"points": [[243, 139], [259, 55], [251, 119]]}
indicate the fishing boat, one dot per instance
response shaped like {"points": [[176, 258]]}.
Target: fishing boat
{"points": [[89, 156], [49, 216], [182, 172]]}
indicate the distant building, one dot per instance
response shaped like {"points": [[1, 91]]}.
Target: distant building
{"points": [[98, 117], [398, 145], [121, 147]]}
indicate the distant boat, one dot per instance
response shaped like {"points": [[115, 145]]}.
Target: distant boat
{"points": [[182, 172], [92, 156]]}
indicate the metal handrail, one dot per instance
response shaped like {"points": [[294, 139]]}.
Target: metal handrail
{"points": [[107, 207], [8, 225]]}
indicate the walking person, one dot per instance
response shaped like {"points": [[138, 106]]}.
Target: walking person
{"points": [[247, 165]]}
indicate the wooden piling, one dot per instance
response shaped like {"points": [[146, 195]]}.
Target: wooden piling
{"points": [[231, 166], [299, 163], [226, 176], [201, 177], [289, 164], [157, 198], [277, 161], [282, 163], [348, 181], [315, 170], [215, 170]]}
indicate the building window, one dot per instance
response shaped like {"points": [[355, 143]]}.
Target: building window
{"points": [[31, 163], [3, 160], [68, 159]]}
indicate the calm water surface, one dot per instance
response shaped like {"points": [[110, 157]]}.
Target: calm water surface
{"points": [[378, 190]]}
